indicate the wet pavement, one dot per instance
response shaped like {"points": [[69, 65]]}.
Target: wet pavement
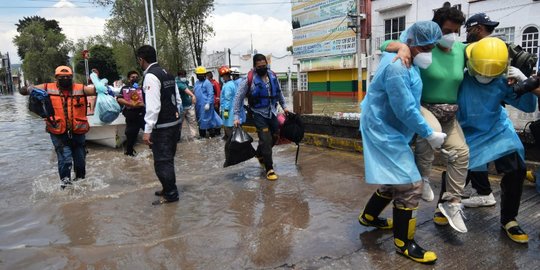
{"points": [[232, 218], [227, 218]]}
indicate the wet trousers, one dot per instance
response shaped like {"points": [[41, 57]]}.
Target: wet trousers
{"points": [[404, 196], [134, 123], [267, 129], [164, 142], [456, 170], [70, 152], [190, 120], [514, 170]]}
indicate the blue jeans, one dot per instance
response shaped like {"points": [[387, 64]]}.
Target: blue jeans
{"points": [[70, 152], [267, 129]]}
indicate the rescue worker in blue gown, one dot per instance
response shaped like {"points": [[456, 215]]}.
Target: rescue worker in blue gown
{"points": [[390, 118], [488, 131], [207, 117], [235, 73]]}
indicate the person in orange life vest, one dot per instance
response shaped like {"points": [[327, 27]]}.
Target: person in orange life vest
{"points": [[217, 94], [70, 124], [131, 98]]}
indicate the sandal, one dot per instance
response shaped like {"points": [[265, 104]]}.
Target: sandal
{"points": [[271, 175]]}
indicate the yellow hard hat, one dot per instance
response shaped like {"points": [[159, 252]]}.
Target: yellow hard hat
{"points": [[200, 70], [487, 57]]}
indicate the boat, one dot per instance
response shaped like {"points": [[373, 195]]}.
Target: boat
{"points": [[110, 135]]}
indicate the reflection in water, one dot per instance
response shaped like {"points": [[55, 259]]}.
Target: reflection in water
{"points": [[281, 215], [78, 225]]}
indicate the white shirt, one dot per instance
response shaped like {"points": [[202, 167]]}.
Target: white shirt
{"points": [[152, 91]]}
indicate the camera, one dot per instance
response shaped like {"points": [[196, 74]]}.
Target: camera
{"points": [[526, 86]]}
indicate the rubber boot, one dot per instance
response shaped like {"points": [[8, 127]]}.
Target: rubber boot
{"points": [[404, 230], [374, 207]]}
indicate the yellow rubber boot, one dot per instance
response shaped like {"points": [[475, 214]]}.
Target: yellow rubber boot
{"points": [[404, 230], [370, 216]]}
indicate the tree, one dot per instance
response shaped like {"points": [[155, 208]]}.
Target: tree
{"points": [[102, 59], [44, 50], [178, 23], [48, 24], [196, 27]]}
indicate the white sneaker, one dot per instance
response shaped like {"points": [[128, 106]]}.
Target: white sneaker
{"points": [[479, 200], [454, 213], [427, 192]]}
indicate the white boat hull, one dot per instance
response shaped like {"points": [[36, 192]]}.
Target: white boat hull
{"points": [[111, 135]]}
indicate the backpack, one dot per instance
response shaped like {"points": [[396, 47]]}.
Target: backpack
{"points": [[40, 103], [522, 59], [293, 130]]}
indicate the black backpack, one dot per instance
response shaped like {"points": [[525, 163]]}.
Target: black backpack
{"points": [[522, 59], [293, 130]]}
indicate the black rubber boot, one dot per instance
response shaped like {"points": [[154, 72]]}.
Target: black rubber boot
{"points": [[374, 207], [404, 230]]}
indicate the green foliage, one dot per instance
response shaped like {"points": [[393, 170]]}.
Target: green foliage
{"points": [[102, 59], [44, 50], [48, 24]]}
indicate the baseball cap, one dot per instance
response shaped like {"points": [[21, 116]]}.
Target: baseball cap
{"points": [[480, 18], [63, 70]]}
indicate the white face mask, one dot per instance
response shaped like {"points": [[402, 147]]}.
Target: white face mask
{"points": [[447, 41], [183, 79], [482, 79], [422, 60]]}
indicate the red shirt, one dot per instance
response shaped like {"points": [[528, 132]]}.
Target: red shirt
{"points": [[217, 92]]}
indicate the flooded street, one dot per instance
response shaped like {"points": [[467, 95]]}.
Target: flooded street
{"points": [[227, 218]]}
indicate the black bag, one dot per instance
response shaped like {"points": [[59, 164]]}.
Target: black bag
{"points": [[534, 126], [40, 103], [238, 148], [522, 59], [293, 130]]}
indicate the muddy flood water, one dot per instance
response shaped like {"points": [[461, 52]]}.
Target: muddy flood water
{"points": [[227, 218]]}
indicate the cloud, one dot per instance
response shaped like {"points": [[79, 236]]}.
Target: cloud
{"points": [[73, 21], [75, 25], [234, 31]]}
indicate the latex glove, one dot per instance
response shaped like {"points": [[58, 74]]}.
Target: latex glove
{"points": [[436, 139], [514, 72], [226, 114], [206, 107], [450, 156]]}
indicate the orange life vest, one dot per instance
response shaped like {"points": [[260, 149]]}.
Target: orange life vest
{"points": [[69, 112]]}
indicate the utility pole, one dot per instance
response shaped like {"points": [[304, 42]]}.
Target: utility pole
{"points": [[150, 23], [354, 24]]}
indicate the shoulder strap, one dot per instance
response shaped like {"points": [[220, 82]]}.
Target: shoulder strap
{"points": [[250, 79]]}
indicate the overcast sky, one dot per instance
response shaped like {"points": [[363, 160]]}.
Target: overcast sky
{"points": [[234, 22]]}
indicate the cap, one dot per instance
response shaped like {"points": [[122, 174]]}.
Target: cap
{"points": [[63, 70], [480, 18]]}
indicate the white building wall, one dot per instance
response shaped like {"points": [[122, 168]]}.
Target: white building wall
{"points": [[515, 13]]}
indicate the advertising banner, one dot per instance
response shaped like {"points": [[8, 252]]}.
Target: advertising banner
{"points": [[311, 12], [326, 38]]}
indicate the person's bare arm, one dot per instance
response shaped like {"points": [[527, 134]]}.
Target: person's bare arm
{"points": [[89, 90]]}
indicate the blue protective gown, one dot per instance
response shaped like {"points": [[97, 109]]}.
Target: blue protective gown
{"points": [[228, 91], [204, 91], [488, 131], [389, 119]]}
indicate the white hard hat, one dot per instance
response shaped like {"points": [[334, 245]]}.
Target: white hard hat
{"points": [[235, 70]]}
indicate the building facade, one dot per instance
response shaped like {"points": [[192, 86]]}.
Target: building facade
{"points": [[519, 20], [326, 35]]}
